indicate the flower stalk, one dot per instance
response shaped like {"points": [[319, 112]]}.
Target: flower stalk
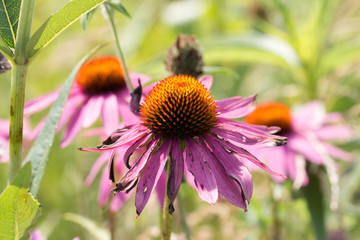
{"points": [[166, 216], [18, 79], [118, 47]]}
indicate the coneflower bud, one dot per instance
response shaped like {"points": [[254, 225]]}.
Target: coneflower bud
{"points": [[185, 57]]}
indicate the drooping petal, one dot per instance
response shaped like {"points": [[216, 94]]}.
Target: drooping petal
{"points": [[92, 109], [110, 117], [176, 169], [72, 105], [160, 189], [226, 185], [73, 128], [126, 115], [236, 107], [151, 175], [118, 201], [104, 189], [334, 132], [40, 103], [203, 177], [302, 145], [104, 157], [234, 168], [207, 81], [310, 116], [337, 152], [133, 148]]}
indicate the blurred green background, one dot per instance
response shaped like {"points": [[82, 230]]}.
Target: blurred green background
{"points": [[289, 51]]}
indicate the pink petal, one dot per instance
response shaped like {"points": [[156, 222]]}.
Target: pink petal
{"points": [[338, 153], [204, 179], [103, 158], [73, 128], [189, 177], [134, 147], [72, 105], [36, 235], [334, 132], [226, 186], [207, 81], [176, 169], [160, 189], [310, 116], [150, 176], [126, 115], [40, 103], [136, 76], [92, 109], [234, 168], [110, 117], [236, 107], [300, 144], [118, 201], [104, 188]]}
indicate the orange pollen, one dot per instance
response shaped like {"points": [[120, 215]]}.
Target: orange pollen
{"points": [[179, 106], [271, 114], [101, 75]]}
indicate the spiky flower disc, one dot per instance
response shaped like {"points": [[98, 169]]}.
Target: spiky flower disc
{"points": [[179, 106]]}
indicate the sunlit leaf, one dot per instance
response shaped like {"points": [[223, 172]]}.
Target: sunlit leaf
{"points": [[118, 6], [9, 18], [58, 22], [18, 207], [89, 225], [39, 152]]}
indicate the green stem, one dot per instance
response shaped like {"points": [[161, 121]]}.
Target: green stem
{"points": [[18, 79], [166, 216], [118, 47]]}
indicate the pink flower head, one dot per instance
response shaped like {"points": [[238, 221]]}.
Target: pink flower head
{"points": [[99, 89], [307, 130], [181, 121]]}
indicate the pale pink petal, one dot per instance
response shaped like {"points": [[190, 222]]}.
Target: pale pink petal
{"points": [[36, 235], [226, 186], [333, 117], [334, 132], [188, 176], [160, 189], [309, 116], [110, 115], [176, 169], [40, 103], [103, 158], [124, 109], [204, 179], [92, 109], [300, 144], [118, 201], [236, 107], [207, 81], [73, 128], [72, 105], [150, 176], [338, 153], [234, 168], [136, 76], [104, 188]]}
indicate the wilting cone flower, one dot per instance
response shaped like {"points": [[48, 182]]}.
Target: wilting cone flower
{"points": [[99, 89], [180, 120], [308, 131]]}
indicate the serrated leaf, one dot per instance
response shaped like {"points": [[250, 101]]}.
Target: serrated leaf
{"points": [[39, 153], [18, 207], [118, 6], [58, 22], [9, 18], [85, 19], [94, 229]]}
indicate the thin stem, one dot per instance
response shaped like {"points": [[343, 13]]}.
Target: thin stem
{"points": [[118, 47], [166, 216], [18, 79]]}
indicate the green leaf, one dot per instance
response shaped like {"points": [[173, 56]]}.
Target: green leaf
{"points": [[18, 207], [118, 6], [58, 22], [251, 49], [85, 19], [39, 153], [338, 56], [4, 49], [9, 18], [94, 229], [315, 201]]}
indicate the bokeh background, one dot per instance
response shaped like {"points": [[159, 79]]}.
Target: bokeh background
{"points": [[288, 51]]}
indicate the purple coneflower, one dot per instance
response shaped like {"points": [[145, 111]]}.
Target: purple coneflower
{"points": [[99, 89], [180, 120], [307, 131]]}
